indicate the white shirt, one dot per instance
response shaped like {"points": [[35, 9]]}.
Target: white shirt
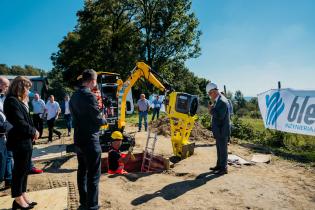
{"points": [[52, 109], [216, 99], [67, 110], [1, 102], [38, 106]]}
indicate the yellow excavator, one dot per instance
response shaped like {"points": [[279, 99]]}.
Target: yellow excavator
{"points": [[181, 108]]}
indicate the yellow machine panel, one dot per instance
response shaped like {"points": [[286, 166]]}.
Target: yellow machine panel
{"points": [[181, 110]]}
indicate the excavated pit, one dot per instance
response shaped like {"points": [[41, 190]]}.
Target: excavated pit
{"points": [[158, 164]]}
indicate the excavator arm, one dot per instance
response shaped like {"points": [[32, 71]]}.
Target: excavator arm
{"points": [[141, 70]]}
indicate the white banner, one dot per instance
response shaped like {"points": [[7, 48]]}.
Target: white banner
{"points": [[288, 110]]}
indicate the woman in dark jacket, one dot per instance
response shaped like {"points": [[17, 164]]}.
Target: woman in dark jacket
{"points": [[20, 139]]}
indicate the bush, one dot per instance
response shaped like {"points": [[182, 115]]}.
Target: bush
{"points": [[202, 110], [241, 130], [299, 143], [255, 114], [241, 112], [205, 120], [266, 137], [274, 138]]}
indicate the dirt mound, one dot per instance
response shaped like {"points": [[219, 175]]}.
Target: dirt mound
{"points": [[162, 127], [200, 133]]}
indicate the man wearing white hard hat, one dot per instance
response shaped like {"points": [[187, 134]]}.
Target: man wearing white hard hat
{"points": [[220, 126]]}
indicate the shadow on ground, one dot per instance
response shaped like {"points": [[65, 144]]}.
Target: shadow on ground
{"points": [[174, 190], [205, 145], [133, 176], [54, 166]]}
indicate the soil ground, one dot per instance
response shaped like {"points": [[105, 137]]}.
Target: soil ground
{"points": [[189, 184]]}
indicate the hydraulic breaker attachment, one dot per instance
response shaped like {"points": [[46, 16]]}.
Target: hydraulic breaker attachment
{"points": [[181, 110]]}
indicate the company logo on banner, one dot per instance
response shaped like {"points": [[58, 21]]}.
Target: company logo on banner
{"points": [[288, 110], [275, 107]]}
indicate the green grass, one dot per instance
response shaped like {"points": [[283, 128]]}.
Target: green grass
{"points": [[134, 118], [258, 124], [301, 156]]}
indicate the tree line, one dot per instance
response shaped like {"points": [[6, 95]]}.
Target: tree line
{"points": [[19, 70], [243, 107]]}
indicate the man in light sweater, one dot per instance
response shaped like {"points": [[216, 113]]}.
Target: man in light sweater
{"points": [[52, 109]]}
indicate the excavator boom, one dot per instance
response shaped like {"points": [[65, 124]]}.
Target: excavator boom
{"points": [[141, 70]]}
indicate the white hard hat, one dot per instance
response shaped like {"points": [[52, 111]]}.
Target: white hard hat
{"points": [[211, 86]]}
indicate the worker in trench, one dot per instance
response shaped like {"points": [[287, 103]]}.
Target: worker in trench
{"points": [[116, 159]]}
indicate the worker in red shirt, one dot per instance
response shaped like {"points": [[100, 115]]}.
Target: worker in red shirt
{"points": [[117, 160]]}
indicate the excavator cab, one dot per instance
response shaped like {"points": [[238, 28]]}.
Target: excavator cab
{"points": [[107, 84], [186, 103]]}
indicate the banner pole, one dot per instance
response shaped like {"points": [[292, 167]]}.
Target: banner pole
{"points": [[279, 88]]}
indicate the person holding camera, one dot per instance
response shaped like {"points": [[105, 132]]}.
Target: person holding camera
{"points": [[87, 120]]}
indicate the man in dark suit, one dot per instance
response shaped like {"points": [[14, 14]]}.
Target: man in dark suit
{"points": [[220, 127], [87, 120]]}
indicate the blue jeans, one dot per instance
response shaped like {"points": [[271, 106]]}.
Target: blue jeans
{"points": [[3, 157], [9, 166], [156, 111], [143, 115], [68, 119]]}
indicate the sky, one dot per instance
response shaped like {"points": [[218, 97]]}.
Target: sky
{"points": [[30, 30], [250, 45], [247, 45]]}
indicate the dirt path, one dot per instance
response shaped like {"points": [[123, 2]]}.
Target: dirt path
{"points": [[189, 184]]}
